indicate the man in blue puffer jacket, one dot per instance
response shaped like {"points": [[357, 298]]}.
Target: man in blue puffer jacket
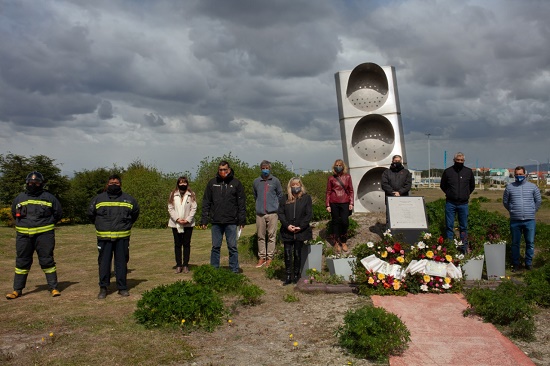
{"points": [[522, 199]]}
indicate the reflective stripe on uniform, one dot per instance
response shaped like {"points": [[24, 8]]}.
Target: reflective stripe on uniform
{"points": [[36, 202], [113, 234], [34, 230], [49, 270], [115, 204], [21, 271]]}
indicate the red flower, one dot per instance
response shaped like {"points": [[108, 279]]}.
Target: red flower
{"points": [[440, 240], [397, 247]]}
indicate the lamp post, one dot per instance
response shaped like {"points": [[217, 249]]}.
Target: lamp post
{"points": [[429, 162], [538, 163]]}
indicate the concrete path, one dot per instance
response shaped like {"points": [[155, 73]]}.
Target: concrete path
{"points": [[441, 335]]}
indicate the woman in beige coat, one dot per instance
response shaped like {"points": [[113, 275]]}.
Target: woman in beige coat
{"points": [[182, 206]]}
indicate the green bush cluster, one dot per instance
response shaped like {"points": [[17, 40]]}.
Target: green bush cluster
{"points": [[197, 304], [168, 305], [225, 282], [506, 305], [538, 285], [373, 333]]}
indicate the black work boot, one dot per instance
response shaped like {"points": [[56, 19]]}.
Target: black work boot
{"points": [[51, 279], [102, 293]]}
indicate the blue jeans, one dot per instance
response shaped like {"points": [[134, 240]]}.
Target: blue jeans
{"points": [[451, 209], [230, 231], [527, 229]]}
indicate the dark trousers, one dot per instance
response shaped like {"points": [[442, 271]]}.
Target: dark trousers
{"points": [[182, 241], [293, 249], [25, 246], [121, 250], [339, 213]]}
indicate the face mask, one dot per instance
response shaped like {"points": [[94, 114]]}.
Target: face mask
{"points": [[520, 178], [182, 187], [296, 190], [31, 188], [338, 169], [114, 189], [265, 172], [396, 166], [459, 165]]}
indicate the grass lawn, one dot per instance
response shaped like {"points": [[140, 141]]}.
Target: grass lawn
{"points": [[86, 330]]}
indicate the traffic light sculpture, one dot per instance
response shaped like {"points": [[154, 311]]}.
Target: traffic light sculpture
{"points": [[371, 130]]}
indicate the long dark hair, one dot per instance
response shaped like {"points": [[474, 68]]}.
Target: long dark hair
{"points": [[178, 181]]}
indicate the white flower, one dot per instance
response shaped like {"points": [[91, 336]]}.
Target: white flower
{"points": [[424, 288], [446, 286], [370, 244], [387, 233], [427, 236], [412, 247], [460, 256], [458, 243], [421, 245]]}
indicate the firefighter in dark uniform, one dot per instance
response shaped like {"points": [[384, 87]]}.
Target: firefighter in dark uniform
{"points": [[113, 212], [36, 212]]}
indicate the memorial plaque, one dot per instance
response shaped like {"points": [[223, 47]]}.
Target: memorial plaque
{"points": [[407, 213], [434, 268]]}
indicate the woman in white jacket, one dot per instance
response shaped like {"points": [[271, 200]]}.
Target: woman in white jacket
{"points": [[182, 206]]}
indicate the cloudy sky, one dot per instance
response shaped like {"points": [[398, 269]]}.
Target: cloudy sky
{"points": [[97, 83]]}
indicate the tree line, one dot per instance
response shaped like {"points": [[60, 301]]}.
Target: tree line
{"points": [[146, 183]]}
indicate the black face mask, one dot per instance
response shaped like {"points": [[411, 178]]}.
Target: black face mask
{"points": [[114, 189], [395, 167], [296, 190], [182, 187], [31, 188], [458, 165]]}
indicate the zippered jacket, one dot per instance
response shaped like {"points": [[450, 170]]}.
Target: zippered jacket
{"points": [[458, 184], [267, 193], [113, 215], [336, 193], [224, 201], [35, 213], [400, 181], [522, 200], [298, 213]]}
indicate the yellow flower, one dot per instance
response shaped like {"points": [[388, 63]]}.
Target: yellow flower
{"points": [[400, 259], [396, 285], [384, 254], [429, 254], [290, 336], [230, 321], [381, 276], [449, 258], [42, 339], [426, 278], [295, 344], [447, 280], [182, 321], [314, 269], [371, 280], [51, 334]]}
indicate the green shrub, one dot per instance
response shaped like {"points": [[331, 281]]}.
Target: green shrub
{"points": [[506, 305], [5, 217], [180, 304], [542, 238], [523, 329], [291, 298], [373, 333], [538, 285], [251, 294], [220, 280]]}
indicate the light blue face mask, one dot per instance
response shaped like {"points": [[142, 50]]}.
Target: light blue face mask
{"points": [[520, 178], [265, 172]]}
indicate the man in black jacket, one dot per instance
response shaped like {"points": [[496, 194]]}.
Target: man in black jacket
{"points": [[35, 212], [113, 212], [458, 182], [224, 205], [396, 182]]}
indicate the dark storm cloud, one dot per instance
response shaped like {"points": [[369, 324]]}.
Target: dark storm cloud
{"points": [[105, 110]]}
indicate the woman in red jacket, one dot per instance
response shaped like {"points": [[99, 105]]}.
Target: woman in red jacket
{"points": [[339, 202]]}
